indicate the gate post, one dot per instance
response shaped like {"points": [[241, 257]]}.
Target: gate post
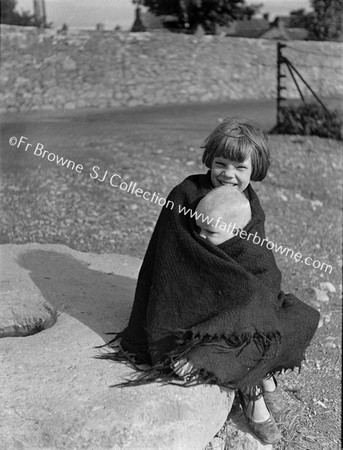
{"points": [[279, 88]]}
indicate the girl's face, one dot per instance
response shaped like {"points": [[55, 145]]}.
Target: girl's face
{"points": [[233, 173]]}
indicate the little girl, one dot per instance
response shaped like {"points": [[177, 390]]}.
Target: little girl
{"points": [[219, 306]]}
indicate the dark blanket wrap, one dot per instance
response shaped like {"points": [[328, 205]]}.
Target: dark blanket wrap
{"points": [[220, 306]]}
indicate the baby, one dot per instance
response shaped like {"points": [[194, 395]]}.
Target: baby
{"points": [[220, 216], [222, 213]]}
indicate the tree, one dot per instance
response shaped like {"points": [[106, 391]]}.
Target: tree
{"points": [[10, 16], [325, 22], [7, 13], [298, 18], [207, 13]]}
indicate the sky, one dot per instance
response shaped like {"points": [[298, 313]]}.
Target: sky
{"points": [[87, 13]]}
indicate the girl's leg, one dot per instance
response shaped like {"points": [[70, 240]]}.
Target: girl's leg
{"points": [[257, 410], [272, 395], [268, 384], [258, 416]]}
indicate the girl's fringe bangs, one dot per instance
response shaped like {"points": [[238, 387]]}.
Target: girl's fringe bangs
{"points": [[222, 145]]}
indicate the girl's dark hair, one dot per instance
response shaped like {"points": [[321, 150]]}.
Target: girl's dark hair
{"points": [[237, 139]]}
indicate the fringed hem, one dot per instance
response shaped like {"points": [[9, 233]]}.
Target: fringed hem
{"points": [[187, 340], [117, 335], [267, 346], [159, 373], [163, 372]]}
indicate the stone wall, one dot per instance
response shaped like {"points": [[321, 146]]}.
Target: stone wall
{"points": [[46, 70]]}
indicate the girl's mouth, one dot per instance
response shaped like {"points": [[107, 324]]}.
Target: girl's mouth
{"points": [[227, 183]]}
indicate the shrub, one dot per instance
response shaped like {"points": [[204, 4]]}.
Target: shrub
{"points": [[310, 119]]}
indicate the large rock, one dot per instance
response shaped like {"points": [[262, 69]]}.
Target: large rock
{"points": [[58, 395]]}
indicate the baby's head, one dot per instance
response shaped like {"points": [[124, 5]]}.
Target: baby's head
{"points": [[236, 152], [221, 213]]}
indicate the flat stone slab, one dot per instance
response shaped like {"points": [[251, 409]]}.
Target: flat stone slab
{"points": [[57, 394]]}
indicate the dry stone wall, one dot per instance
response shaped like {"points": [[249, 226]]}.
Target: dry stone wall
{"points": [[46, 70]]}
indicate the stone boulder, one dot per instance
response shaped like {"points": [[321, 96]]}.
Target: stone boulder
{"points": [[56, 394]]}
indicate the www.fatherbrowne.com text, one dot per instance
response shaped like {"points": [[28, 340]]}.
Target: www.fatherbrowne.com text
{"points": [[256, 239]]}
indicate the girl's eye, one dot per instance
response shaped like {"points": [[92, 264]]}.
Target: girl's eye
{"points": [[241, 167]]}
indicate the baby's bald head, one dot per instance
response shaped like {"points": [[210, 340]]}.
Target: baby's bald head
{"points": [[228, 208]]}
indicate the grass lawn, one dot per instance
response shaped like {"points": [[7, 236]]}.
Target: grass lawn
{"points": [[302, 199]]}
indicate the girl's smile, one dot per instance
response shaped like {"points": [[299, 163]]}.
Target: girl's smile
{"points": [[232, 173]]}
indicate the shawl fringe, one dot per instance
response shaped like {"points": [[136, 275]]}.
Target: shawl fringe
{"points": [[268, 345]]}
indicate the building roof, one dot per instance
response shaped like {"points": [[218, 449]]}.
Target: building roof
{"points": [[248, 28], [253, 28], [153, 22], [297, 34], [278, 30], [292, 21]]}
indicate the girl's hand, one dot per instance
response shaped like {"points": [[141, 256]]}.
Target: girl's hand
{"points": [[182, 367]]}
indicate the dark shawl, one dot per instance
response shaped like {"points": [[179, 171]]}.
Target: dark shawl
{"points": [[220, 306]]}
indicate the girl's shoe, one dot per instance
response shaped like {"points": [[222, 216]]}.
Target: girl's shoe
{"points": [[274, 400], [266, 431]]}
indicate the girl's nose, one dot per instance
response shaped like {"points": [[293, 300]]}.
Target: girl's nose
{"points": [[202, 234], [228, 172]]}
